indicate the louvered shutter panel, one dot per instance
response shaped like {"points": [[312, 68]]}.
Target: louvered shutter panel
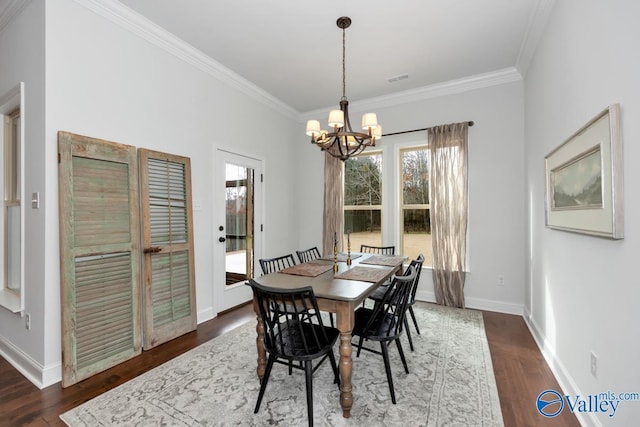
{"points": [[167, 235], [99, 252]]}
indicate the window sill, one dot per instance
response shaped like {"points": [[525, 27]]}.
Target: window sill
{"points": [[10, 301]]}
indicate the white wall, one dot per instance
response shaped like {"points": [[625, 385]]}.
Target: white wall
{"points": [[583, 292], [496, 184], [22, 52], [104, 81]]}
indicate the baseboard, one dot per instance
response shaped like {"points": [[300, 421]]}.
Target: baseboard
{"points": [[39, 375], [204, 315], [565, 381], [478, 303]]}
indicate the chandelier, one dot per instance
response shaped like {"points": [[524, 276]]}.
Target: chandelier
{"points": [[342, 142]]}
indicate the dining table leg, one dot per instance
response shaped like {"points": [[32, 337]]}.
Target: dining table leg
{"points": [[345, 319], [262, 354]]}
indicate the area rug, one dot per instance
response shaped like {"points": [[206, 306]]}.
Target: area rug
{"points": [[451, 383]]}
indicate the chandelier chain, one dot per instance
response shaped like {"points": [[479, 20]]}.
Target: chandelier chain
{"points": [[344, 69]]}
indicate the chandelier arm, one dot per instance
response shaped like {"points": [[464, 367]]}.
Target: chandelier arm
{"points": [[344, 106]]}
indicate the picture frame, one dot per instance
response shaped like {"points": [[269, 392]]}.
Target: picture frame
{"points": [[584, 179]]}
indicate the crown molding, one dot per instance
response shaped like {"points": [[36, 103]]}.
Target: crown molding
{"points": [[535, 28], [132, 21], [137, 24], [451, 87], [13, 9]]}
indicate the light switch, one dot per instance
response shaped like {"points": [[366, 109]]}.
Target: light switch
{"points": [[35, 200]]}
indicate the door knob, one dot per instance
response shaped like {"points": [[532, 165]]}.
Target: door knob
{"points": [[222, 239]]}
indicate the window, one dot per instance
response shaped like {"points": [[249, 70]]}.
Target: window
{"points": [[406, 220], [11, 181], [363, 199], [415, 223], [402, 216], [11, 230]]}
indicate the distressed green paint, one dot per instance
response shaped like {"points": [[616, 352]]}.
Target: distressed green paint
{"points": [[99, 252]]}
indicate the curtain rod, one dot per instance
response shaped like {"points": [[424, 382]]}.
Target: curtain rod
{"points": [[415, 130]]}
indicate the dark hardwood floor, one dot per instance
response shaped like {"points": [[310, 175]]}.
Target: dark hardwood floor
{"points": [[521, 374]]}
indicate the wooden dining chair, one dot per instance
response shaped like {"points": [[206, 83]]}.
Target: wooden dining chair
{"points": [[380, 250], [271, 265], [295, 334], [384, 322], [307, 255], [378, 295]]}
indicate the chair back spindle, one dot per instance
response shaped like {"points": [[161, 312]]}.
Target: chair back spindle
{"points": [[307, 255], [380, 250], [271, 265]]}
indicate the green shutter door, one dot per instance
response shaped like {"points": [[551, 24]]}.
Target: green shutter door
{"points": [[99, 253], [167, 239]]}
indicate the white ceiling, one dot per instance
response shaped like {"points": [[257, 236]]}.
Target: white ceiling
{"points": [[292, 49]]}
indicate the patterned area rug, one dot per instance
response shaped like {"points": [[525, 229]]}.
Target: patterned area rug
{"points": [[451, 383]]}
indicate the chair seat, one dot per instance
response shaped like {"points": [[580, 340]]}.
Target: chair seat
{"points": [[376, 330], [290, 342], [378, 294]]}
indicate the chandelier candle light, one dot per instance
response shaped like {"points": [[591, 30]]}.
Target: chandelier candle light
{"points": [[343, 142]]}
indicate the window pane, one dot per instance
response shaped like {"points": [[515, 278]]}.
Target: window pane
{"points": [[363, 200], [415, 176], [239, 223], [363, 180], [415, 226], [416, 234], [365, 227], [13, 248]]}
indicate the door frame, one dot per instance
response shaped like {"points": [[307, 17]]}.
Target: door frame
{"points": [[226, 297]]}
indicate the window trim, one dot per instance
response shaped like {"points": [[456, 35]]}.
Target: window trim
{"points": [[10, 103]]}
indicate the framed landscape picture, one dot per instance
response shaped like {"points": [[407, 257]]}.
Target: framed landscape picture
{"points": [[584, 179]]}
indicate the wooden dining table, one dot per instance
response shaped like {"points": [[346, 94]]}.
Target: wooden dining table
{"points": [[339, 292]]}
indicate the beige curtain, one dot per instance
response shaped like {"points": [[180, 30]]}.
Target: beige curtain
{"points": [[448, 205], [333, 218]]}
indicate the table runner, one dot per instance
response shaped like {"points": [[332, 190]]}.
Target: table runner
{"points": [[307, 269], [365, 274]]}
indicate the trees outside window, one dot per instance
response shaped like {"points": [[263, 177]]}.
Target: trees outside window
{"points": [[363, 200], [415, 224]]}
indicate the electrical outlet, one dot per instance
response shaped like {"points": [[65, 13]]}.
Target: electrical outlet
{"points": [[27, 321], [500, 279], [594, 365]]}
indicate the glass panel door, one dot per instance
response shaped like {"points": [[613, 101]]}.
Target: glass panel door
{"points": [[239, 220]]}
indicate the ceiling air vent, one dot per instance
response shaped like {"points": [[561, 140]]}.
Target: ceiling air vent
{"points": [[398, 78]]}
